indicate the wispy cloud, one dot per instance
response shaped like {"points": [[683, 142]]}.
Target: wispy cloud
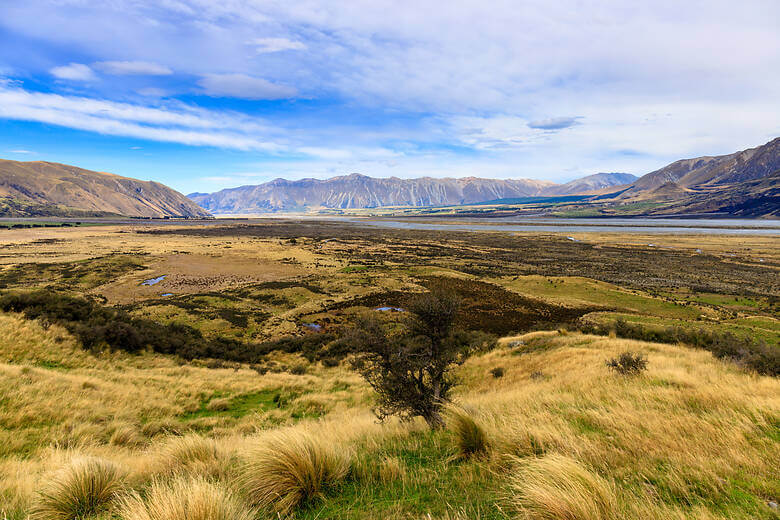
{"points": [[127, 68], [244, 87], [25, 152], [74, 72], [177, 124], [268, 45]]}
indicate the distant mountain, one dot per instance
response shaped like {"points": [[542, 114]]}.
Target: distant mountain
{"points": [[595, 182], [360, 191], [52, 189]]}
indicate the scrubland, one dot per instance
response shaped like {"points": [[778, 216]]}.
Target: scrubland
{"points": [[539, 427]]}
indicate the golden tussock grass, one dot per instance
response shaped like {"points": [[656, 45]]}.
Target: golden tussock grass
{"points": [[290, 467], [86, 486], [184, 499], [559, 488], [470, 437]]}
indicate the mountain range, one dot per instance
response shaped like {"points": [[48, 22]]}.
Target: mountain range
{"points": [[745, 183], [360, 191], [51, 189]]}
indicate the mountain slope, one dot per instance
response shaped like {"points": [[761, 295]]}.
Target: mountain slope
{"points": [[360, 191], [705, 173], [591, 183], [62, 188]]}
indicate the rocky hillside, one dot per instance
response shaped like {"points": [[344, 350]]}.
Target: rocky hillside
{"points": [[360, 191], [52, 189]]}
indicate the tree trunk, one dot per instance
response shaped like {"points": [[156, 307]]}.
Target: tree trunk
{"points": [[434, 420]]}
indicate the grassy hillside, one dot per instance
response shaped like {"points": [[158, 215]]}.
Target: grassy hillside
{"points": [[690, 438]]}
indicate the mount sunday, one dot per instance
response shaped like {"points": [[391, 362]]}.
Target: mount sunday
{"points": [[359, 191]]}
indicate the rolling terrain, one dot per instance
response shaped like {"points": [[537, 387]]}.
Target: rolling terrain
{"points": [[29, 189], [220, 388]]}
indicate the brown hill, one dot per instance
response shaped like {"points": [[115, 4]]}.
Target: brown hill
{"points": [[68, 190], [708, 173]]}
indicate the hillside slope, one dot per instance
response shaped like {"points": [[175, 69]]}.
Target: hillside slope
{"points": [[61, 189], [706, 173]]}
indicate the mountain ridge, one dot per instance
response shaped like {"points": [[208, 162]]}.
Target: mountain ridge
{"points": [[356, 190], [56, 188]]}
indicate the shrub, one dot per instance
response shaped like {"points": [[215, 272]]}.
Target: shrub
{"points": [[184, 499], [555, 487], [628, 363], [470, 438], [85, 487], [497, 372], [291, 468]]}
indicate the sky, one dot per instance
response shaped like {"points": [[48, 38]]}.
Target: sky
{"points": [[204, 95]]}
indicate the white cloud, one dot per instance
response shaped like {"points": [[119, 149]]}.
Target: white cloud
{"points": [[268, 45], [21, 151], [125, 68], [177, 124], [74, 72], [243, 87]]}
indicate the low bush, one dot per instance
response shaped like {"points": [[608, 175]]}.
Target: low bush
{"points": [[290, 469], [556, 487], [497, 372], [628, 364], [751, 353], [85, 487], [184, 499]]}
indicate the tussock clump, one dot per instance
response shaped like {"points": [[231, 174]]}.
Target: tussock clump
{"points": [[84, 487], [195, 455], [219, 404], [291, 468], [559, 488], [184, 499], [126, 435], [470, 437]]}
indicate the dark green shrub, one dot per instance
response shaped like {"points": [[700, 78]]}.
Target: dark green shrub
{"points": [[628, 364]]}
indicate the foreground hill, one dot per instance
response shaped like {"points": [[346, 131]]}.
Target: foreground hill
{"points": [[51, 189], [559, 437]]}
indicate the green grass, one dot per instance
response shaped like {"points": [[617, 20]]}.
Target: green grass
{"points": [[433, 484], [239, 406]]}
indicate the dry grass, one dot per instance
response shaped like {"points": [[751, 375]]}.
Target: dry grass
{"points": [[184, 499], [290, 468], [470, 437], [85, 487], [559, 488]]}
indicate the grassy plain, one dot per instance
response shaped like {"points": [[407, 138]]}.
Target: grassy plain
{"points": [[693, 437]]}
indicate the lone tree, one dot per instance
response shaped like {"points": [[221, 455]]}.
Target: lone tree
{"points": [[410, 369]]}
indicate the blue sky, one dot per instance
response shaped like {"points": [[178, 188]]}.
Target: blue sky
{"points": [[204, 95]]}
